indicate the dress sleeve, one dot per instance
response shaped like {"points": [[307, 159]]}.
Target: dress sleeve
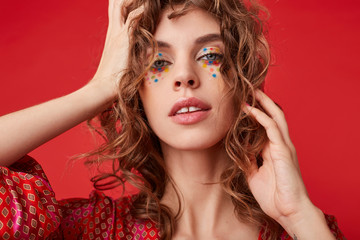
{"points": [[91, 218], [101, 217], [28, 208], [332, 223]]}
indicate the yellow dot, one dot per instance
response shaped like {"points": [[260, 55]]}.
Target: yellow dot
{"points": [[166, 70], [204, 65]]}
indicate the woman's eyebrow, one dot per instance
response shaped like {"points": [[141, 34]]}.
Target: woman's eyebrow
{"points": [[212, 37], [162, 44]]}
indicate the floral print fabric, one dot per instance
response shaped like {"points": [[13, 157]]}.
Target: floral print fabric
{"points": [[29, 210]]}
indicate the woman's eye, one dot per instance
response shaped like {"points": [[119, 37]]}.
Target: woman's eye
{"points": [[212, 57], [159, 64]]}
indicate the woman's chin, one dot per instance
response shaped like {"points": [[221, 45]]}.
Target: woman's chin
{"points": [[191, 143]]}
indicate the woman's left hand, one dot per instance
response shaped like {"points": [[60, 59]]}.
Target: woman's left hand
{"points": [[277, 185]]}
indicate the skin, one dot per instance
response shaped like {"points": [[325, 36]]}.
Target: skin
{"points": [[186, 77], [194, 155]]}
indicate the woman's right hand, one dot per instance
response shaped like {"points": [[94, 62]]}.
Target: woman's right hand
{"points": [[114, 58]]}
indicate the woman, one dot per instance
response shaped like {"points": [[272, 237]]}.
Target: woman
{"points": [[178, 95]]}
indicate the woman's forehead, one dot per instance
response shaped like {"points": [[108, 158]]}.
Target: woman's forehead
{"points": [[193, 24]]}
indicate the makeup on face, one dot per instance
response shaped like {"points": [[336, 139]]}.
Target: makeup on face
{"points": [[157, 70], [210, 59]]}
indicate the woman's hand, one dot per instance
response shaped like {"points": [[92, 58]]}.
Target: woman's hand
{"points": [[114, 58], [277, 185], [25, 130]]}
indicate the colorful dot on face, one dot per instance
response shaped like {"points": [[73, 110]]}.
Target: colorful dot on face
{"points": [[159, 69], [214, 75], [211, 69], [160, 54], [204, 65], [156, 80], [204, 49], [152, 77]]}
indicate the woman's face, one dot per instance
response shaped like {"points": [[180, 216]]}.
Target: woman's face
{"points": [[183, 93]]}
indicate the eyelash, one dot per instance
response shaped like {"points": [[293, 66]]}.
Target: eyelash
{"points": [[218, 57], [159, 60]]}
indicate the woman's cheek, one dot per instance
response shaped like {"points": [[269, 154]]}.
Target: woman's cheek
{"points": [[156, 75]]}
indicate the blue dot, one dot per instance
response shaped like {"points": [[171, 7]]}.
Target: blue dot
{"points": [[159, 69], [205, 49], [156, 80], [214, 75], [160, 54], [210, 62]]}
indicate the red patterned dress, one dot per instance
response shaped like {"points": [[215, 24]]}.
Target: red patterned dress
{"points": [[29, 210]]}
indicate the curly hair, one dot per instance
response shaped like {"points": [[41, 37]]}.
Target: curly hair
{"points": [[134, 148]]}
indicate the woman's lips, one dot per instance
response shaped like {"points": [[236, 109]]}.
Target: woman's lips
{"points": [[189, 111], [190, 118]]}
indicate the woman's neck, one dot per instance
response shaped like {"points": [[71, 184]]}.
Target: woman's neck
{"points": [[206, 209]]}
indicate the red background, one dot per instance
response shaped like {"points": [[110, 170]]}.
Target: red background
{"points": [[48, 49]]}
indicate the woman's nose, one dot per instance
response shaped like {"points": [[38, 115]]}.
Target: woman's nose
{"points": [[186, 77]]}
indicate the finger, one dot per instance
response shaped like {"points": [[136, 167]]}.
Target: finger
{"points": [[276, 114], [114, 12], [114, 18], [133, 15], [268, 123], [117, 23], [272, 109], [272, 131]]}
